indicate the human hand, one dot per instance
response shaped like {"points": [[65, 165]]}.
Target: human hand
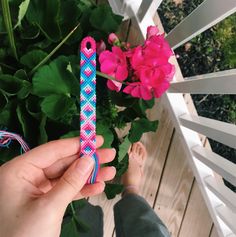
{"points": [[36, 187]]}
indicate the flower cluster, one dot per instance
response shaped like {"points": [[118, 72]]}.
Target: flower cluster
{"points": [[144, 70]]}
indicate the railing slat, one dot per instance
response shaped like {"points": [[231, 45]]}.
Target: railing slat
{"points": [[219, 164], [209, 13], [222, 192], [213, 83], [148, 7], [227, 216], [217, 130]]}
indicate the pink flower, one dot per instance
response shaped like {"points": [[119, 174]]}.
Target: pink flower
{"points": [[151, 30], [101, 46], [152, 71], [113, 39], [114, 64]]}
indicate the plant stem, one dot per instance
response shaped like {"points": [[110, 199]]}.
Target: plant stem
{"points": [[109, 77], [53, 51], [72, 209], [7, 66], [8, 24]]}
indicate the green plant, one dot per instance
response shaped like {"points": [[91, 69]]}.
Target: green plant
{"points": [[39, 81]]}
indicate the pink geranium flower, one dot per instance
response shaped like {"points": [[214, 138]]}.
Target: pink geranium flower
{"points": [[151, 30], [114, 64], [147, 65], [151, 67]]}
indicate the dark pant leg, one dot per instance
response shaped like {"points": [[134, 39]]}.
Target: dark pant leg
{"points": [[93, 216], [135, 218]]}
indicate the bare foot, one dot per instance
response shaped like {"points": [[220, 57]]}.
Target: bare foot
{"points": [[131, 179]]}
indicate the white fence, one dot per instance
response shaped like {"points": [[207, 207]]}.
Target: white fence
{"points": [[220, 200]]}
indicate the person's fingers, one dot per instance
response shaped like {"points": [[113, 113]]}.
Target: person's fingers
{"points": [[106, 155], [59, 167], [90, 190], [106, 173], [70, 183], [47, 154]]}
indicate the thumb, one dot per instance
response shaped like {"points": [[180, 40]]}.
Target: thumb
{"points": [[71, 182]]}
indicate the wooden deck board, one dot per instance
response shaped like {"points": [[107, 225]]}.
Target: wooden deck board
{"points": [[173, 194], [197, 221], [214, 232]]}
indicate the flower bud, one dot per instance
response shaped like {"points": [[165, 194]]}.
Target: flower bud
{"points": [[100, 47], [113, 39]]}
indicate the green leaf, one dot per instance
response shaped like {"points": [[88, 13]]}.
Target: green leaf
{"points": [[33, 106], [8, 25], [112, 190], [43, 137], [71, 134], [141, 126], [10, 85], [122, 166], [21, 74], [146, 104], [25, 90], [69, 229], [32, 58], [123, 149], [28, 124], [3, 101], [44, 14], [55, 79], [103, 19], [81, 225], [69, 16], [106, 133], [22, 11], [56, 106]]}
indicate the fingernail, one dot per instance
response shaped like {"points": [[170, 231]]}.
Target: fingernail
{"points": [[85, 165], [114, 150]]}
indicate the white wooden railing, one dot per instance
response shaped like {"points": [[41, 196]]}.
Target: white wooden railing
{"points": [[220, 200]]}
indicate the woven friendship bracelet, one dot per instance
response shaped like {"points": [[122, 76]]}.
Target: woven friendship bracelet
{"points": [[88, 102]]}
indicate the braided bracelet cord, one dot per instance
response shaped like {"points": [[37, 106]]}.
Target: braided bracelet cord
{"points": [[88, 102], [7, 137]]}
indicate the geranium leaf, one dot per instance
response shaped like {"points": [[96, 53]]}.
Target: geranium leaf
{"points": [[10, 85], [21, 74], [106, 133], [44, 14], [146, 104], [123, 149], [25, 89], [112, 190], [71, 134], [3, 101], [33, 106], [103, 19], [141, 126], [69, 18], [55, 78], [32, 58], [56, 106], [28, 124], [69, 228], [43, 137]]}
